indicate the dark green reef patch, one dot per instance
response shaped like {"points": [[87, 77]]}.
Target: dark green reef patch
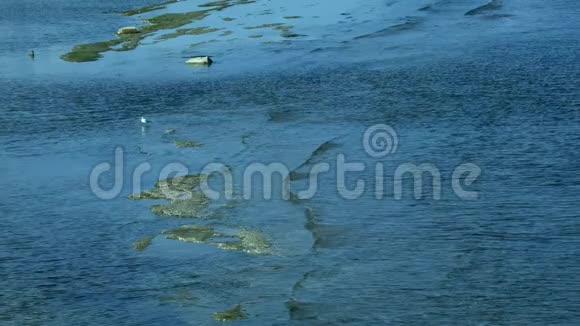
{"points": [[252, 242], [189, 31], [172, 188], [222, 4], [193, 233], [184, 199], [264, 26], [142, 244], [248, 241], [236, 313], [90, 51], [148, 8], [93, 51], [194, 207], [173, 20], [283, 28], [291, 35], [187, 143], [201, 43], [216, 4]]}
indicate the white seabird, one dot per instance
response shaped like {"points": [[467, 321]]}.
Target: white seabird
{"points": [[143, 120]]}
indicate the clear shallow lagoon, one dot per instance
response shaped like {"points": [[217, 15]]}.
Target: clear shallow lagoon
{"points": [[499, 90]]}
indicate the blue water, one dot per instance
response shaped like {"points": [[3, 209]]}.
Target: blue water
{"points": [[498, 90]]}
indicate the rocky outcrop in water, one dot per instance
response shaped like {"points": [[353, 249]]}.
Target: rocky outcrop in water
{"points": [[249, 241], [236, 313], [185, 201]]}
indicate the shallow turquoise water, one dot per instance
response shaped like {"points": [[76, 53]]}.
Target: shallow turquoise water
{"points": [[499, 92]]}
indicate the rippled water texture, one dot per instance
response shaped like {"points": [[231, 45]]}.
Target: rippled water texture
{"points": [[460, 83]]}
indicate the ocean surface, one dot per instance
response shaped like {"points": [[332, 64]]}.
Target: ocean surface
{"points": [[496, 88]]}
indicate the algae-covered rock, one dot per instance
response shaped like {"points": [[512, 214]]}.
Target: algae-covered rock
{"points": [[185, 182], [189, 143], [252, 242], [168, 21], [172, 188], [196, 206], [93, 51], [236, 313], [143, 243], [90, 51], [185, 201], [174, 20], [148, 194], [193, 233]]}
